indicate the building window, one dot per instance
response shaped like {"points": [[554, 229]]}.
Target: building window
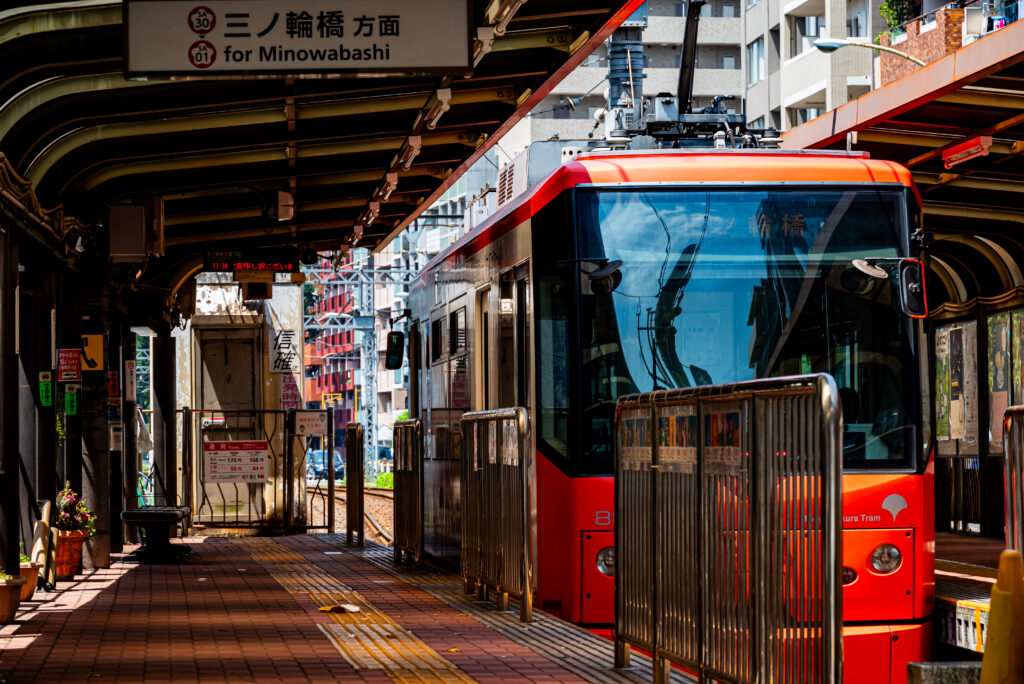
{"points": [[680, 9], [751, 3], [729, 62], [755, 61], [728, 11], [757, 124]]}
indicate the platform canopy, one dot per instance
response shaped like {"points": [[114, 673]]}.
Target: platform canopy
{"points": [[958, 124], [77, 136]]}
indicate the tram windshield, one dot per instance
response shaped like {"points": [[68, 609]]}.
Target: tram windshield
{"points": [[723, 286]]}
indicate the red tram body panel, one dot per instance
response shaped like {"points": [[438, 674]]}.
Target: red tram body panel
{"points": [[507, 317]]}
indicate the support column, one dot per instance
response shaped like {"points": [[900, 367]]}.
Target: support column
{"points": [[28, 396], [131, 455], [9, 501], [95, 431], [70, 336], [165, 437], [115, 381], [46, 436]]}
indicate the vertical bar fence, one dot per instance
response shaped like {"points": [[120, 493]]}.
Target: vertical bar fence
{"points": [[408, 511], [497, 518], [1013, 466], [354, 476], [316, 471], [728, 506]]}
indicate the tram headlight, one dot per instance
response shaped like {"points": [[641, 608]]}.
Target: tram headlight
{"points": [[606, 561], [886, 558]]}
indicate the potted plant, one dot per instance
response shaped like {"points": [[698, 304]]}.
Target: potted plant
{"points": [[74, 525], [10, 596], [30, 571]]}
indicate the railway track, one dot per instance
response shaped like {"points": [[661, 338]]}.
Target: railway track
{"points": [[339, 495]]}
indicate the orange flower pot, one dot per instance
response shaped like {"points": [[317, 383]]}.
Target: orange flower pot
{"points": [[30, 571], [69, 552]]}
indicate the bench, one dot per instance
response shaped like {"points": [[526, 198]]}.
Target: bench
{"points": [[156, 522]]}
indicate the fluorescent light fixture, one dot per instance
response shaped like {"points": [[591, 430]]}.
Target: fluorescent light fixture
{"points": [[970, 149], [387, 187], [483, 43], [505, 14], [441, 104], [371, 214], [357, 233], [410, 151]]}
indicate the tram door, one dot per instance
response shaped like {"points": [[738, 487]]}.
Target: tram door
{"points": [[514, 338]]}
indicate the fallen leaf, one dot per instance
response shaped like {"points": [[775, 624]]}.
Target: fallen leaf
{"points": [[454, 650]]}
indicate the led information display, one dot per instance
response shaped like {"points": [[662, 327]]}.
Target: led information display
{"points": [[280, 261]]}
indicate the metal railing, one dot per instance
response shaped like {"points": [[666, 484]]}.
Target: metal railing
{"points": [[728, 506], [408, 511], [354, 476], [320, 476], [497, 514], [1013, 467]]}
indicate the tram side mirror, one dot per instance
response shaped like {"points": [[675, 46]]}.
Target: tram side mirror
{"points": [[395, 350], [605, 279], [913, 301]]}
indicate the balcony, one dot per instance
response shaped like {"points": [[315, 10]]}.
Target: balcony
{"points": [[934, 35]]}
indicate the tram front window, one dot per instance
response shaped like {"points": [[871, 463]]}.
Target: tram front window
{"points": [[723, 286]]}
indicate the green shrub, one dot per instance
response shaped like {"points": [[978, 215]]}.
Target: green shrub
{"points": [[386, 480]]}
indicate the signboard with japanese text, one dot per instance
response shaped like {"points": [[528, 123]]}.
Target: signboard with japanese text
{"points": [[218, 37], [46, 388], [71, 400], [311, 422], [235, 461], [130, 381], [291, 400], [285, 351], [69, 368]]}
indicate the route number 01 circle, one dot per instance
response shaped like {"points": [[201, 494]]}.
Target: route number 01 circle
{"points": [[202, 54]]}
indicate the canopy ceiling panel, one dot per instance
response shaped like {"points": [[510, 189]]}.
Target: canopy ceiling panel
{"points": [[216, 152]]}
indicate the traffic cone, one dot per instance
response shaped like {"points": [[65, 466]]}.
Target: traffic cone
{"points": [[1003, 662]]}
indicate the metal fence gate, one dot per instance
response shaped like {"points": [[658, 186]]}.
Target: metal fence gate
{"points": [[497, 518], [408, 511], [728, 507], [248, 468], [354, 476], [1013, 467], [320, 465]]}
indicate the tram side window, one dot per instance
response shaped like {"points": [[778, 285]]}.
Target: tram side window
{"points": [[457, 328], [436, 339]]}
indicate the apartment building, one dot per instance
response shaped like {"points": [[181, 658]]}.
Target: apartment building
{"points": [[718, 72], [789, 81]]}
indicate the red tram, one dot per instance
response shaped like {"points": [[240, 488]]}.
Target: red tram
{"points": [[623, 272]]}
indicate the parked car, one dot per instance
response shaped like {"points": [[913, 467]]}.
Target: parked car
{"points": [[316, 466]]}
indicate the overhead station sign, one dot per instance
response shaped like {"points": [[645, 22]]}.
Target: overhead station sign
{"points": [[279, 261], [301, 36]]}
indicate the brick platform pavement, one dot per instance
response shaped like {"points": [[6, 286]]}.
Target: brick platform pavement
{"points": [[241, 610]]}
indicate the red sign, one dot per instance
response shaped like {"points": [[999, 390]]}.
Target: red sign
{"points": [[113, 385], [236, 446], [69, 368]]}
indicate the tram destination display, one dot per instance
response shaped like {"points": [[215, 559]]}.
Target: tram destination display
{"points": [[236, 461]]}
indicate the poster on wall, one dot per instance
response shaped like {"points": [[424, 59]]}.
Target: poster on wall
{"points": [[635, 438], [677, 438], [956, 383], [1016, 340], [998, 374], [942, 384], [970, 380]]}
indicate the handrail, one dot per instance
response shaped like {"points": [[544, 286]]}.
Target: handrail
{"points": [[497, 477], [1013, 467], [728, 510]]}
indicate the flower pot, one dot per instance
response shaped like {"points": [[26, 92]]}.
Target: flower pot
{"points": [[10, 597], [30, 571], [69, 552]]}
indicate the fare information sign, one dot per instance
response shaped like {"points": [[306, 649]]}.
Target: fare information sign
{"points": [[235, 461], [266, 36]]}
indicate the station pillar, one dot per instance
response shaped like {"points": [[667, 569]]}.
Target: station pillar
{"points": [[95, 436], [115, 482], [165, 425], [69, 312], [9, 476], [130, 457]]}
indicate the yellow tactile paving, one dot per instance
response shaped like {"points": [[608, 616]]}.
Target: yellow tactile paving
{"points": [[368, 639]]}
